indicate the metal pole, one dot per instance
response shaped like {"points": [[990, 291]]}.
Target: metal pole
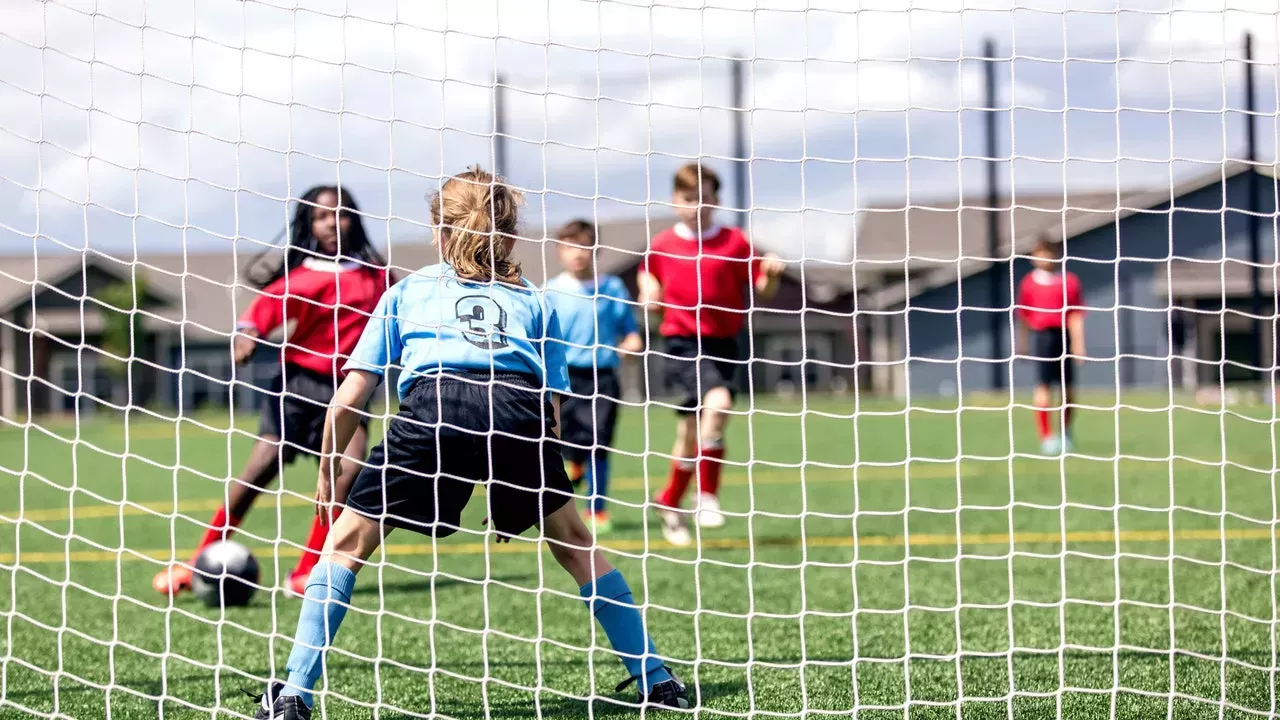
{"points": [[742, 159], [1255, 220], [995, 276], [500, 126]]}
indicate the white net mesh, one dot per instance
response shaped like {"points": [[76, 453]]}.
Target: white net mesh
{"points": [[898, 540]]}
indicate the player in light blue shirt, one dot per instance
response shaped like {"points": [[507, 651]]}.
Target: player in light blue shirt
{"points": [[435, 322], [596, 318], [477, 407]]}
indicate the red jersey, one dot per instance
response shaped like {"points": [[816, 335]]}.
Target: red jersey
{"points": [[704, 282], [329, 304], [1046, 299]]}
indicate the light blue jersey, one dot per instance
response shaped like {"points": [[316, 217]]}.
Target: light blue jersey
{"points": [[432, 321], [594, 317]]}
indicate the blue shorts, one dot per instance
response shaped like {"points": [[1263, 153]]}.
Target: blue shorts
{"points": [[454, 432], [589, 414]]}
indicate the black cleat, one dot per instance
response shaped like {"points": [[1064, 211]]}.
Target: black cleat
{"points": [[668, 693], [274, 706]]}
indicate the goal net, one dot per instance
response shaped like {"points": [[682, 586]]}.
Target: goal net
{"points": [[912, 525]]}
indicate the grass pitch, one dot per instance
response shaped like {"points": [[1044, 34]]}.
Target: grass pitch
{"points": [[920, 564]]}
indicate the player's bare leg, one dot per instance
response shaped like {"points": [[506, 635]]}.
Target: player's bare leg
{"points": [[352, 540], [573, 546], [258, 472], [353, 457], [684, 454], [327, 596], [716, 407], [609, 598]]}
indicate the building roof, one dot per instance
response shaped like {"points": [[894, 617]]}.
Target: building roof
{"points": [[1216, 278], [204, 290], [621, 246], [962, 250], [939, 242]]}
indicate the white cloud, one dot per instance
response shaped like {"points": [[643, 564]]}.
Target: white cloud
{"points": [[100, 99], [267, 74], [1189, 56]]}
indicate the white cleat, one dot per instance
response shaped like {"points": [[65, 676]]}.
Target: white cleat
{"points": [[674, 528], [709, 515]]}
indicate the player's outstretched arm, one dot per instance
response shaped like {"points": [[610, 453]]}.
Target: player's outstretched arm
{"points": [[246, 341], [268, 311], [650, 293], [1075, 334], [339, 426], [632, 344], [771, 267]]}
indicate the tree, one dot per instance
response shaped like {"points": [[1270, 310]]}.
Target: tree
{"points": [[119, 304]]}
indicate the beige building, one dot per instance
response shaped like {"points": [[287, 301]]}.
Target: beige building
{"points": [[52, 322], [839, 324]]}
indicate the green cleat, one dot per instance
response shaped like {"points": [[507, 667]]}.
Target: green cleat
{"points": [[599, 522]]}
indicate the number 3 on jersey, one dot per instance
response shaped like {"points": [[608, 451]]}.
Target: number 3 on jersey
{"points": [[484, 322]]}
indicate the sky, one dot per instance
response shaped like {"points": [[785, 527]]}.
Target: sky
{"points": [[187, 124]]}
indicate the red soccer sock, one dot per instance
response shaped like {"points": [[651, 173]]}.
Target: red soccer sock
{"points": [[709, 465], [677, 483], [1042, 420], [221, 527], [315, 543]]}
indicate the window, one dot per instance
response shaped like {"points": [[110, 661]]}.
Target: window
{"points": [[80, 382], [204, 378], [791, 360]]}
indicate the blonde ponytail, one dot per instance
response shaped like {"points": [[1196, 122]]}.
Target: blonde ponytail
{"points": [[477, 215]]}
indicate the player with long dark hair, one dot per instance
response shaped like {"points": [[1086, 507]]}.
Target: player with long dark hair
{"points": [[327, 284]]}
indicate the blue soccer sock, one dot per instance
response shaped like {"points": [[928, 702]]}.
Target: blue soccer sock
{"points": [[324, 605], [598, 480], [616, 610]]}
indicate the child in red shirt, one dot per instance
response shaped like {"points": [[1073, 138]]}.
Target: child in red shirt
{"points": [[328, 284], [701, 278], [1050, 306]]}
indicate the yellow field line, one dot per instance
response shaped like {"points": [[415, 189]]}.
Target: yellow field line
{"points": [[1074, 537], [932, 471]]}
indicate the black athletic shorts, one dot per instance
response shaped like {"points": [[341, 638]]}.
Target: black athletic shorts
{"points": [[454, 432], [589, 414], [696, 366], [295, 411], [1053, 367]]}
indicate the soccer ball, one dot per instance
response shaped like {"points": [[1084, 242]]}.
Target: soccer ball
{"points": [[226, 575]]}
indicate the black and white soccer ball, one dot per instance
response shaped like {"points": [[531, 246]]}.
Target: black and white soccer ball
{"points": [[226, 575]]}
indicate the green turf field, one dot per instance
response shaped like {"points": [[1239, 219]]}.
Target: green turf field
{"points": [[1135, 581]]}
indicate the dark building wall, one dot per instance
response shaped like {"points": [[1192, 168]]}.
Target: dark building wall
{"points": [[1126, 325]]}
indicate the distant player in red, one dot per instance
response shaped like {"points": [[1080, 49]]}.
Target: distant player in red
{"points": [[1051, 308], [701, 277], [327, 285]]}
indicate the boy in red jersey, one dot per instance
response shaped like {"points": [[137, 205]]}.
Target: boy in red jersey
{"points": [[327, 286], [1051, 307], [701, 278]]}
